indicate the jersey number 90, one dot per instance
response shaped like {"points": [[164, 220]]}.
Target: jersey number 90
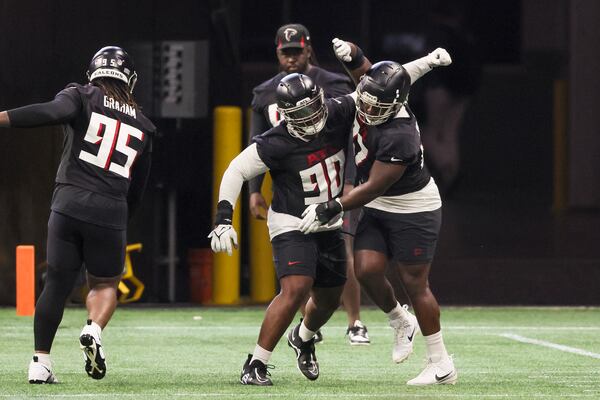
{"points": [[326, 177]]}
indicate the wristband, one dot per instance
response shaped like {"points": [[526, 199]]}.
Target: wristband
{"points": [[224, 213], [357, 60]]}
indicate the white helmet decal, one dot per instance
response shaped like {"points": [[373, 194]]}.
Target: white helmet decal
{"points": [[288, 33]]}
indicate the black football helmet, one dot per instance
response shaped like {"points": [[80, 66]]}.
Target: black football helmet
{"points": [[113, 62], [301, 103], [382, 92]]}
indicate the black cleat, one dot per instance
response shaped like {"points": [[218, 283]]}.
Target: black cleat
{"points": [[357, 334], [255, 373], [305, 354], [318, 337]]}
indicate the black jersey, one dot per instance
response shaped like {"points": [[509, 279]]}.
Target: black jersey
{"points": [[312, 172], [265, 104], [106, 149], [396, 141], [102, 142], [264, 107]]}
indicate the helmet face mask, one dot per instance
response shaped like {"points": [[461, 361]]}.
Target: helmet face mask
{"points": [[382, 92], [113, 62], [307, 117], [301, 103], [371, 111]]}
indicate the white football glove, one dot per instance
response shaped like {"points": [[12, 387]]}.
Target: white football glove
{"points": [[439, 58], [222, 238], [309, 219], [342, 50], [310, 223]]}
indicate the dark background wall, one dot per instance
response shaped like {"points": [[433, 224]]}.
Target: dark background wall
{"points": [[48, 45], [500, 243]]}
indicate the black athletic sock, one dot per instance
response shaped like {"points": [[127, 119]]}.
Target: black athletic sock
{"points": [[51, 304]]}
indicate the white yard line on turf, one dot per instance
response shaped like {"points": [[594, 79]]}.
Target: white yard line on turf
{"points": [[371, 327], [551, 345], [394, 395]]}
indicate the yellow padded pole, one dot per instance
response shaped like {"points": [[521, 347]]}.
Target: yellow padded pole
{"points": [[262, 270], [227, 143]]}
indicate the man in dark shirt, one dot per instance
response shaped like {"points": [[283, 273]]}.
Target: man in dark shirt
{"points": [[100, 182], [295, 54]]}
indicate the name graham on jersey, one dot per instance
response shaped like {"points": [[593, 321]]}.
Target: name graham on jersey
{"points": [[109, 102]]}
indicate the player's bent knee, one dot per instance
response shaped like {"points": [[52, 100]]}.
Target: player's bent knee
{"points": [[295, 287], [365, 273], [415, 284], [328, 304], [327, 298]]}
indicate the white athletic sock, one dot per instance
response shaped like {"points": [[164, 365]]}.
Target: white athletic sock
{"points": [[396, 313], [261, 354], [44, 359], [97, 328], [435, 347], [304, 333]]}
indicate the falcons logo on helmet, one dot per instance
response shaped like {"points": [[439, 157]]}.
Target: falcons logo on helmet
{"points": [[289, 32]]}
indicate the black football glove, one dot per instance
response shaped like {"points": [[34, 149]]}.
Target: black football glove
{"points": [[319, 217], [326, 211]]}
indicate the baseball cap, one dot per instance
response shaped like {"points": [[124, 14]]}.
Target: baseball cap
{"points": [[292, 35]]}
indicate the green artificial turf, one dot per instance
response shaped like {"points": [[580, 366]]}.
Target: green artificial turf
{"points": [[155, 353]]}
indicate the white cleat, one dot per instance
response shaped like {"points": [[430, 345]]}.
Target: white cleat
{"points": [[40, 373], [405, 330], [436, 373], [93, 354]]}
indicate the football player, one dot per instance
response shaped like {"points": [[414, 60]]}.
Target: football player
{"points": [[306, 157], [295, 55], [402, 208], [100, 181]]}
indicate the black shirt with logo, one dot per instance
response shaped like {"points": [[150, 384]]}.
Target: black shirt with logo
{"points": [[396, 141], [311, 172]]}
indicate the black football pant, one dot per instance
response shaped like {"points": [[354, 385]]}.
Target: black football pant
{"points": [[72, 243], [51, 304]]}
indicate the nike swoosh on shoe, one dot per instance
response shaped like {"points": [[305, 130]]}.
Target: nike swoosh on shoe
{"points": [[441, 378], [410, 338], [258, 378]]}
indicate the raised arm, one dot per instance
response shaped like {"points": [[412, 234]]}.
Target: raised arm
{"points": [[63, 108], [354, 61], [419, 67], [356, 64]]}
